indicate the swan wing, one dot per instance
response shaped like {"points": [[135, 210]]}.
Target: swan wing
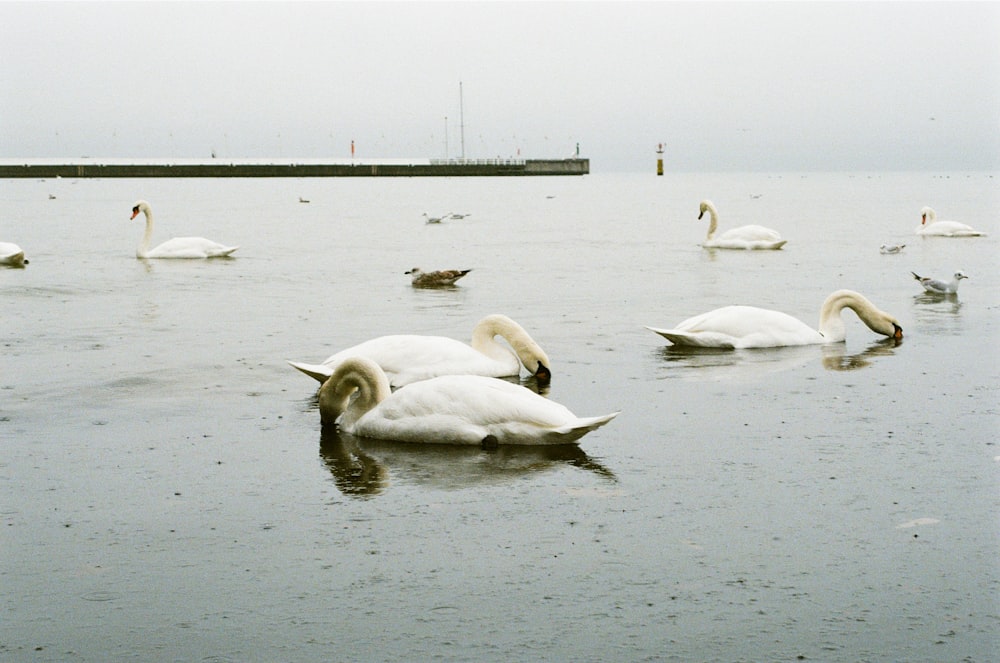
{"points": [[747, 237], [742, 327], [190, 247], [467, 409], [407, 358], [949, 229]]}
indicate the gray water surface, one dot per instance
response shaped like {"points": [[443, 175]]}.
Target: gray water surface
{"points": [[168, 494]]}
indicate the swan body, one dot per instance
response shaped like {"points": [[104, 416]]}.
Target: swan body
{"points": [[891, 249], [178, 247], [12, 255], [407, 358], [939, 287], [751, 327], [744, 237], [451, 409], [930, 226], [444, 277]]}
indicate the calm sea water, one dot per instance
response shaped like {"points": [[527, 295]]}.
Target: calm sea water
{"points": [[167, 493]]}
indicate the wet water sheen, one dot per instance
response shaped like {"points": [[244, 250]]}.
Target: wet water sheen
{"points": [[168, 494]]}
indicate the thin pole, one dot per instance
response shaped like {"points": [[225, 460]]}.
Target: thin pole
{"points": [[461, 113]]}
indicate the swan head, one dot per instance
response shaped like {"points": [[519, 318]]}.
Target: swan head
{"points": [[354, 374], [926, 216], [706, 206], [140, 206]]}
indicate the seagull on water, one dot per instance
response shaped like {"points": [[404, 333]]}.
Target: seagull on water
{"points": [[421, 279], [891, 248], [939, 287], [435, 219]]}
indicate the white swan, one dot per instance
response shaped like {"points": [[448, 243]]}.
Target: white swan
{"points": [[12, 255], [444, 277], [752, 327], [451, 409], [929, 225], [407, 358], [178, 247], [939, 287], [744, 237]]}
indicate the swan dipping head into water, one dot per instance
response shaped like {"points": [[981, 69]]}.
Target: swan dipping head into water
{"points": [[451, 409], [751, 327]]}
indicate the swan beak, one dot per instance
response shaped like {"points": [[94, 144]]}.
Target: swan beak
{"points": [[543, 374], [898, 334], [701, 214], [135, 213]]}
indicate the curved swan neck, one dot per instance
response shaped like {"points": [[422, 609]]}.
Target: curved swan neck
{"points": [[831, 325], [356, 374], [527, 351], [713, 224], [147, 211]]}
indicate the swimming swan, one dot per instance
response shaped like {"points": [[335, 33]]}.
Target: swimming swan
{"points": [[744, 237], [451, 409], [407, 358], [752, 327], [178, 247], [929, 225], [939, 287], [12, 255]]}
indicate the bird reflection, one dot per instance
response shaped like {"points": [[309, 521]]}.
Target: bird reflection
{"points": [[727, 364], [362, 468], [835, 357]]}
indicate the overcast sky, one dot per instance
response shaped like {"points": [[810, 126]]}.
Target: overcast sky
{"points": [[727, 86]]}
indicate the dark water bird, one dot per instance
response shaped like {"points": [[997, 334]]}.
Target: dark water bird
{"points": [[444, 277]]}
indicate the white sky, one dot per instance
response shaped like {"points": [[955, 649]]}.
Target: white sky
{"points": [[727, 86]]}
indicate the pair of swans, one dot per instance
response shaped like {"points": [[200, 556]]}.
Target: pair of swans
{"points": [[438, 279], [736, 327], [12, 255], [178, 247], [407, 358], [931, 227], [940, 286], [450, 409], [745, 237]]}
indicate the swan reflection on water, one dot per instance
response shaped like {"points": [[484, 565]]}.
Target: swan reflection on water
{"points": [[725, 364], [363, 468]]}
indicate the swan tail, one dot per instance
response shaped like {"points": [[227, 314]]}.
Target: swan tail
{"points": [[225, 252], [570, 433], [318, 372], [696, 340]]}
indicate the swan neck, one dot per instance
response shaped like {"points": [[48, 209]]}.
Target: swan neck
{"points": [[831, 325], [353, 375], [147, 235], [713, 220], [529, 353]]}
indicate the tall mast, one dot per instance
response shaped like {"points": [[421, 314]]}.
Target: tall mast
{"points": [[461, 118]]}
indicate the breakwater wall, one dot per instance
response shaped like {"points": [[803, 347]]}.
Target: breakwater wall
{"points": [[218, 168]]}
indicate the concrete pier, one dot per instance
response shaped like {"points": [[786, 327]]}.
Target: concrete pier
{"points": [[91, 168]]}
